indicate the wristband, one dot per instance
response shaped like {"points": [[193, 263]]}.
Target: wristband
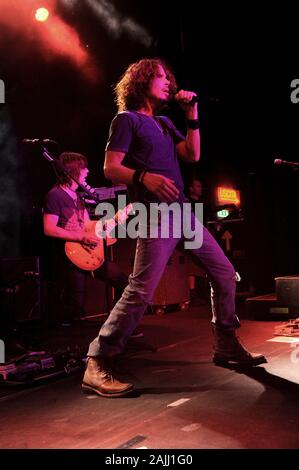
{"points": [[136, 176], [193, 124], [142, 176]]}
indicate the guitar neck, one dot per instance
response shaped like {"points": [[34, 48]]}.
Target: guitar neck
{"points": [[110, 225], [119, 217]]}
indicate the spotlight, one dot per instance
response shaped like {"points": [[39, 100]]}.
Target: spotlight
{"points": [[41, 14]]}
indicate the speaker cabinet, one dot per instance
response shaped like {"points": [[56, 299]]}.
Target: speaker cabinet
{"points": [[98, 297], [20, 289], [287, 290], [173, 287]]}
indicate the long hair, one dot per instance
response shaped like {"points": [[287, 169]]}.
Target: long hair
{"points": [[134, 84], [72, 162]]}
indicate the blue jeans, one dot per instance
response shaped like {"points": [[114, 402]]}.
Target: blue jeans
{"points": [[151, 257]]}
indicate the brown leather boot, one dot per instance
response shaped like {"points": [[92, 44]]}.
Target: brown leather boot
{"points": [[98, 378], [229, 351]]}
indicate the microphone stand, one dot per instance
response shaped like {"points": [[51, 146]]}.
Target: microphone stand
{"points": [[294, 165]]}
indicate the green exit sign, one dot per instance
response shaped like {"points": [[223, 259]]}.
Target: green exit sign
{"points": [[222, 214]]}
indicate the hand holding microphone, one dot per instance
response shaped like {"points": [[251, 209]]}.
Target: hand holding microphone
{"points": [[186, 99], [195, 99]]}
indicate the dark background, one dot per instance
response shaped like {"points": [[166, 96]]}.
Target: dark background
{"points": [[240, 57]]}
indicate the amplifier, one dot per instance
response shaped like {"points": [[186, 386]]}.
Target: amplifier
{"points": [[20, 289], [98, 295], [287, 290], [173, 287]]}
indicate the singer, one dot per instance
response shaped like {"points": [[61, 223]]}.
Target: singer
{"points": [[65, 215], [142, 152]]}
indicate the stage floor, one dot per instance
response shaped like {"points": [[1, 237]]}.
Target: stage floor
{"points": [[182, 401]]}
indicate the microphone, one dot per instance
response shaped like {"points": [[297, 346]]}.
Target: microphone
{"points": [[278, 161], [195, 99], [91, 192], [38, 141], [89, 188]]}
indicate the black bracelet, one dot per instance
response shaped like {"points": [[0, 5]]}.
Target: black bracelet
{"points": [[193, 124], [142, 176], [137, 176]]}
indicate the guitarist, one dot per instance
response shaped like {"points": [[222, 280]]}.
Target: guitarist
{"points": [[64, 218]]}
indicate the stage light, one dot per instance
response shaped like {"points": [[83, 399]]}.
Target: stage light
{"points": [[41, 14], [53, 37]]}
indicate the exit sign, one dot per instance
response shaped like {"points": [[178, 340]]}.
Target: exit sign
{"points": [[222, 214], [228, 196]]}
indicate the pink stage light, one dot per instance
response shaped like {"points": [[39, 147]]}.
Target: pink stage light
{"points": [[38, 24]]}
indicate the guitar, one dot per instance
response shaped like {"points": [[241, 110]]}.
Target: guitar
{"points": [[89, 257]]}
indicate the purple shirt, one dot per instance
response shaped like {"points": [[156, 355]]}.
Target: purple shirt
{"points": [[70, 216], [150, 144], [71, 213]]}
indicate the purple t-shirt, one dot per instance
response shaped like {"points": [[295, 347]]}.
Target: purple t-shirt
{"points": [[149, 144], [71, 213], [70, 216]]}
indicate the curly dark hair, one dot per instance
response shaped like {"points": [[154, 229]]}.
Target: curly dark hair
{"points": [[73, 162], [131, 89]]}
